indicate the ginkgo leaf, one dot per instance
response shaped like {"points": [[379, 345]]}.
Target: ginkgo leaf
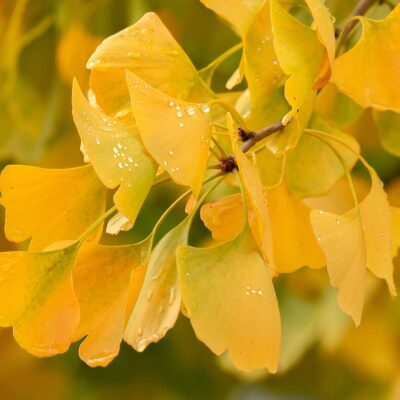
{"points": [[368, 73], [293, 241], [299, 52], [254, 191], [223, 217], [50, 205], [259, 63], [101, 282], [355, 241], [158, 304], [388, 124], [240, 13], [230, 300], [326, 34], [117, 154], [181, 144], [37, 299], [313, 168], [148, 49]]}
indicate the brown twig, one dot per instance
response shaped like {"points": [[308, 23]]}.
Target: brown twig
{"points": [[255, 137]]}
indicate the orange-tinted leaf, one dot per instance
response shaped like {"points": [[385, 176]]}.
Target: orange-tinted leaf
{"points": [[101, 281]]}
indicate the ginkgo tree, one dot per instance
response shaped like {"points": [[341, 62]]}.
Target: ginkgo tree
{"points": [[150, 117]]}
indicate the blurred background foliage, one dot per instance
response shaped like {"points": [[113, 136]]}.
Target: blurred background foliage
{"points": [[44, 44]]}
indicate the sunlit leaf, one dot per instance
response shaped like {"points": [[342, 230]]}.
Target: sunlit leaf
{"points": [[357, 241], [148, 49], [180, 145], [37, 299], [368, 73], [50, 205], [230, 300], [115, 149], [101, 282]]}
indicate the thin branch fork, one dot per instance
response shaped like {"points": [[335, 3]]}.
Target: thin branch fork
{"points": [[255, 137]]}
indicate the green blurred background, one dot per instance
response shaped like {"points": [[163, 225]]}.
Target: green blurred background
{"points": [[44, 43]]}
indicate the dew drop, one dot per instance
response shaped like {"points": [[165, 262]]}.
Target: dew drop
{"points": [[204, 107], [181, 124], [190, 111], [171, 103], [120, 165], [170, 152], [179, 114]]}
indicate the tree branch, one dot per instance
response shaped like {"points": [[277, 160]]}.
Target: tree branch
{"points": [[255, 137]]}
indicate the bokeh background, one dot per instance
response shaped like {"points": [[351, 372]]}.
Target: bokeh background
{"points": [[43, 45]]}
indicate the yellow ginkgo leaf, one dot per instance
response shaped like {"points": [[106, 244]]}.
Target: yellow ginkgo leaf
{"points": [[355, 241], [230, 300], [293, 242], [148, 49], [240, 13], [396, 230], [74, 48], [158, 304], [326, 34], [101, 282], [181, 144], [300, 55], [254, 191], [223, 217], [369, 72], [252, 21], [117, 154], [37, 299], [50, 205]]}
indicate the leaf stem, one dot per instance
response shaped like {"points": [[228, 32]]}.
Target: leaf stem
{"points": [[213, 65], [320, 136], [238, 118]]}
